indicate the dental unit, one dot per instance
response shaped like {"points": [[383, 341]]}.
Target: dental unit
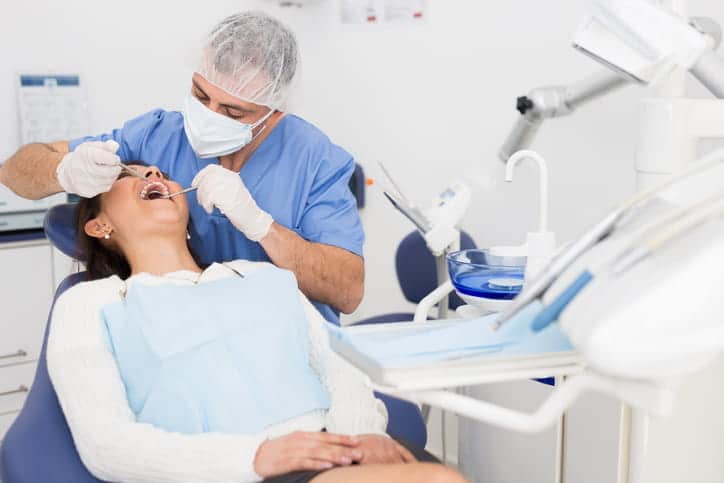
{"points": [[637, 295]]}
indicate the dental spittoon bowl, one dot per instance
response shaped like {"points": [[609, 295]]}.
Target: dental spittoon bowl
{"points": [[485, 280]]}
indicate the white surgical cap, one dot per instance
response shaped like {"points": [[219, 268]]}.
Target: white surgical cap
{"points": [[253, 57]]}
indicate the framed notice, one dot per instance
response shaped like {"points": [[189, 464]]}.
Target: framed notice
{"points": [[51, 107]]}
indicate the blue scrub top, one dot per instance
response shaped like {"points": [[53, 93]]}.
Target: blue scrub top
{"points": [[297, 175]]}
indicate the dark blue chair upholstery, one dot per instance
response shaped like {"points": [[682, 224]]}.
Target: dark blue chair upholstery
{"points": [[358, 185], [38, 447], [417, 275], [59, 226]]}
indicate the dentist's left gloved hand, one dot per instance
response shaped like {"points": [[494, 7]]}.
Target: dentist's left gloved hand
{"points": [[223, 188]]}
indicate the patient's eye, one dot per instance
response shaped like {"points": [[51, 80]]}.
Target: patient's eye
{"points": [[123, 174]]}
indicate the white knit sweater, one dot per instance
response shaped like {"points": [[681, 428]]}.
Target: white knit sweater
{"points": [[114, 447]]}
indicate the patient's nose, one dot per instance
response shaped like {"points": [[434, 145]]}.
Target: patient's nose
{"points": [[153, 172]]}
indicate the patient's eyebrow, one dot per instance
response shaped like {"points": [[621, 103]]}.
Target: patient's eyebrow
{"points": [[125, 174]]}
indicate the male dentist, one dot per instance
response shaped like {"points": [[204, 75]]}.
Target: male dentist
{"points": [[271, 186]]}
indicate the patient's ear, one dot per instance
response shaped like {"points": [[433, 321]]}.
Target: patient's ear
{"points": [[95, 228]]}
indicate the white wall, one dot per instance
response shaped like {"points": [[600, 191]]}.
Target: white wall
{"points": [[433, 101]]}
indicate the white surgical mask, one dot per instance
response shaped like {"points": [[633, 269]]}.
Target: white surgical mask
{"points": [[212, 134]]}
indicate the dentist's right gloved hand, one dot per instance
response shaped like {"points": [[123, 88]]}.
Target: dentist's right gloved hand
{"points": [[223, 188], [90, 169]]}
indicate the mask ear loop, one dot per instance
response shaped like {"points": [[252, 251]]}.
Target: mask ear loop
{"points": [[260, 121]]}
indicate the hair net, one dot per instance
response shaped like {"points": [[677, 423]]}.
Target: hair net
{"points": [[251, 56]]}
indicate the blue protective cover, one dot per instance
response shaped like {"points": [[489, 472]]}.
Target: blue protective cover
{"points": [[419, 345], [226, 356]]}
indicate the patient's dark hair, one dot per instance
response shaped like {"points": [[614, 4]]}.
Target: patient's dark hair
{"points": [[103, 258]]}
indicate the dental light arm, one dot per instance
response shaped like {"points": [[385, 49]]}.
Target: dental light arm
{"points": [[555, 101], [610, 48]]}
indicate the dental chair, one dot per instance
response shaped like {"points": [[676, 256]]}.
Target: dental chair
{"points": [[38, 447]]}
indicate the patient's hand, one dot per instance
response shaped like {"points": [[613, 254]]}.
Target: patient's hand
{"points": [[378, 449], [303, 451]]}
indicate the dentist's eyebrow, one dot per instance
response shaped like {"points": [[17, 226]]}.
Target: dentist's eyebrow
{"points": [[226, 106]]}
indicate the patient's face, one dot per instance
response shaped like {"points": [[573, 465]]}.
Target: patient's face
{"points": [[136, 207]]}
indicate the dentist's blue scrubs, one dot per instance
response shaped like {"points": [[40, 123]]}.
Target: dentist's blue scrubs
{"points": [[297, 175]]}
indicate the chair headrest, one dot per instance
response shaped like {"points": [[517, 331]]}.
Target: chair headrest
{"points": [[358, 184], [59, 226]]}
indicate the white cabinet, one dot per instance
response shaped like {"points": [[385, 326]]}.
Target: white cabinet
{"points": [[5, 421], [26, 289], [29, 273], [16, 381]]}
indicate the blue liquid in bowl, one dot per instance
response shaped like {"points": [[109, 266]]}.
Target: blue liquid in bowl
{"points": [[478, 273], [491, 285]]}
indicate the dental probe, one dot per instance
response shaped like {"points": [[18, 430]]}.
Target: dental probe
{"points": [[132, 171], [179, 192]]}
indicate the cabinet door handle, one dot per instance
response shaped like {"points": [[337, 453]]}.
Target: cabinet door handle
{"points": [[21, 389], [19, 353]]}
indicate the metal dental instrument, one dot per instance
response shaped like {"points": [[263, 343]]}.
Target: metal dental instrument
{"points": [[403, 204], [599, 232], [132, 171], [179, 192]]}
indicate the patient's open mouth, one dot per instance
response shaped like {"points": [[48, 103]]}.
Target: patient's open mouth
{"points": [[153, 191]]}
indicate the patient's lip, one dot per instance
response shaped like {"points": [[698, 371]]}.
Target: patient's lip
{"points": [[150, 186]]}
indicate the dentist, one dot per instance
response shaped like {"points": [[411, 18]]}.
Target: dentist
{"points": [[271, 186]]}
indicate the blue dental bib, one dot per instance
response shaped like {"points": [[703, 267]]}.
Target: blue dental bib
{"points": [[228, 356]]}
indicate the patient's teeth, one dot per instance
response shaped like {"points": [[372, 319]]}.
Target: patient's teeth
{"points": [[154, 187]]}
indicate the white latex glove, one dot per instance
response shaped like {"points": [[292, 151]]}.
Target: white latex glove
{"points": [[223, 188], [90, 169]]}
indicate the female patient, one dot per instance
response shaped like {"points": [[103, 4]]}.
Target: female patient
{"points": [[167, 372]]}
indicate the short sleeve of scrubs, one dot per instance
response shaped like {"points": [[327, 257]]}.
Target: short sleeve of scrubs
{"points": [[130, 137], [330, 215]]}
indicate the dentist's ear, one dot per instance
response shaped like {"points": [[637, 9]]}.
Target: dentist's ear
{"points": [[96, 229]]}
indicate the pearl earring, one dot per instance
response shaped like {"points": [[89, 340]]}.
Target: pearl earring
{"points": [[188, 236], [107, 236]]}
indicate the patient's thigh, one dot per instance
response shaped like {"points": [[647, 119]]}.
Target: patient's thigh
{"points": [[402, 473]]}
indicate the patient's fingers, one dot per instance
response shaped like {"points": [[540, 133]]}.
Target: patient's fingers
{"points": [[336, 453], [309, 464], [332, 438]]}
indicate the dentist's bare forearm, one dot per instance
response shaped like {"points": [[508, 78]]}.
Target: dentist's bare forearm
{"points": [[325, 273], [30, 172]]}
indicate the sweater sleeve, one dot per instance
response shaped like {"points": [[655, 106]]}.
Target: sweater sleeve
{"points": [[111, 444], [354, 408]]}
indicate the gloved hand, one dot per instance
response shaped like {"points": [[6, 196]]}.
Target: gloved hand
{"points": [[223, 188], [90, 169]]}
